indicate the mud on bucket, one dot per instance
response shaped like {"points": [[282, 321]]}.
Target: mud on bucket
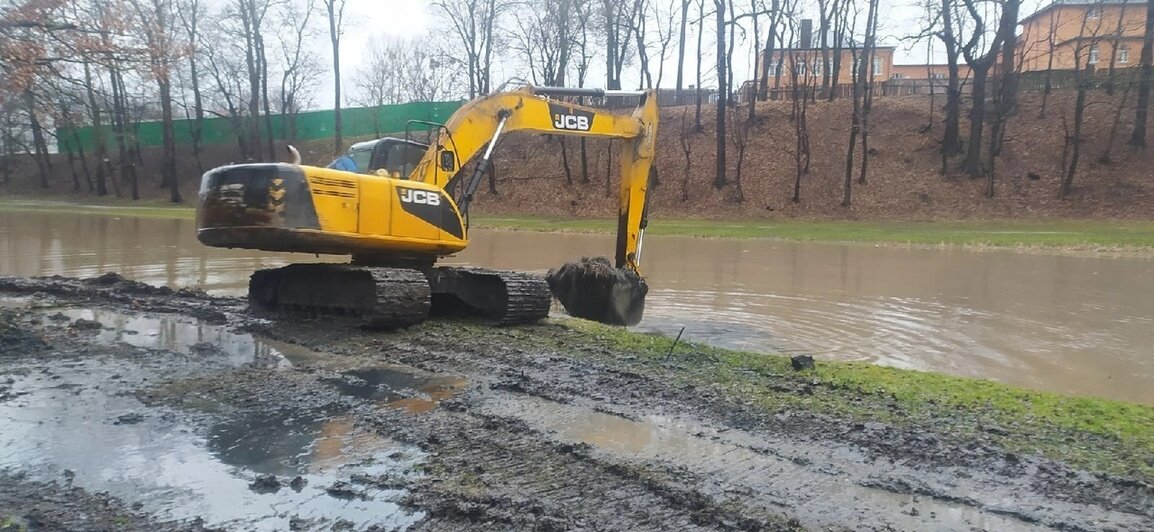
{"points": [[593, 289]]}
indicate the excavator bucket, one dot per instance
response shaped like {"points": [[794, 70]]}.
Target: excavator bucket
{"points": [[593, 289]]}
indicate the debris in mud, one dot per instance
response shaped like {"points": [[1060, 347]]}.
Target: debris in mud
{"points": [[129, 419], [266, 484], [342, 490], [593, 289], [87, 325], [16, 339], [298, 483], [801, 362]]}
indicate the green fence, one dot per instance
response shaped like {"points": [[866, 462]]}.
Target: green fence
{"points": [[310, 125]]}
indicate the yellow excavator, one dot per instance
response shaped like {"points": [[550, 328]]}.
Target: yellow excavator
{"points": [[397, 205]]}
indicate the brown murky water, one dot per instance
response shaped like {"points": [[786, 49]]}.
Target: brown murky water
{"points": [[1080, 325]]}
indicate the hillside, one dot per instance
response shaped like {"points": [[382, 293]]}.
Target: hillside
{"points": [[904, 180]]}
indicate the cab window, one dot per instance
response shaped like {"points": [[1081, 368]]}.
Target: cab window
{"points": [[361, 158], [403, 158]]}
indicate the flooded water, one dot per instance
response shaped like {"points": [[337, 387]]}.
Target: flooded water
{"points": [[1082, 325], [174, 468]]}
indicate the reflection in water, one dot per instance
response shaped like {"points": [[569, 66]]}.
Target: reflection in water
{"points": [[174, 333], [399, 387], [68, 420], [1068, 324]]}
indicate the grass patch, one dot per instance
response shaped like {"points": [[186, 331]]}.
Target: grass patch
{"points": [[1095, 434], [1005, 233], [106, 207]]}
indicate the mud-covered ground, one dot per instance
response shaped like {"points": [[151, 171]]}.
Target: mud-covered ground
{"points": [[129, 407]]}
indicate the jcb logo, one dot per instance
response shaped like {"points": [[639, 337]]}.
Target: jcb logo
{"points": [[576, 123], [422, 197], [570, 118]]}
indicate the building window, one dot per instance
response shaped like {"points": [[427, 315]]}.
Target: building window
{"points": [[878, 66], [1094, 13], [1124, 54], [1093, 55], [895, 76]]}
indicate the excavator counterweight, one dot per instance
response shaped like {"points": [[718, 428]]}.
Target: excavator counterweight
{"points": [[397, 206]]}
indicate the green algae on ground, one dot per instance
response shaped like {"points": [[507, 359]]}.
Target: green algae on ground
{"points": [[1096, 434]]}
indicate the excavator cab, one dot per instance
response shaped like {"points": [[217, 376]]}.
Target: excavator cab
{"points": [[397, 157]]}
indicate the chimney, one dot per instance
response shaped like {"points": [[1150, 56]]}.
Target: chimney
{"points": [[806, 33]]}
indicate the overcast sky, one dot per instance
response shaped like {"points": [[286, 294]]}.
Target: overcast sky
{"points": [[417, 19]]}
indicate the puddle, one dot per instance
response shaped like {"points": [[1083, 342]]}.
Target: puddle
{"points": [[818, 493], [16, 302], [184, 335], [82, 418], [400, 388]]}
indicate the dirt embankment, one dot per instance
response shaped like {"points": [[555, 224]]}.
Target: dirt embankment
{"points": [[198, 414], [904, 180]]}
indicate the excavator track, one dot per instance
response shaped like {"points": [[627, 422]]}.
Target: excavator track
{"points": [[386, 298], [392, 298], [505, 297]]}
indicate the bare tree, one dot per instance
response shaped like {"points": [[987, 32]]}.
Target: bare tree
{"points": [[544, 40], [1006, 91], [951, 137], [681, 43], [474, 24], [336, 17], [399, 71], [719, 180], [190, 13], [869, 68], [686, 142], [979, 64], [300, 66], [618, 17], [157, 20]]}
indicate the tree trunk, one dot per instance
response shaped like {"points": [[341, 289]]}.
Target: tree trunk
{"points": [[169, 165], [565, 163], [681, 44], [248, 19], [119, 124], [83, 158], [1138, 137], [584, 163], [697, 90], [335, 39], [719, 180], [973, 165], [855, 125], [951, 138], [867, 86], [1075, 141], [261, 53], [39, 147]]}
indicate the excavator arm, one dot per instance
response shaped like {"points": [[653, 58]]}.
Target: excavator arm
{"points": [[479, 124]]}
